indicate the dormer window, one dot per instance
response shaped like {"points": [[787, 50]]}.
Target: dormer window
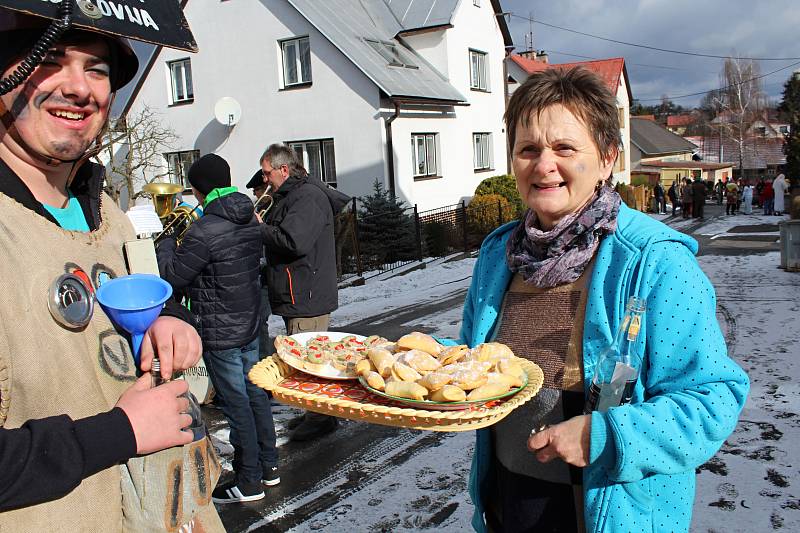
{"points": [[391, 53]]}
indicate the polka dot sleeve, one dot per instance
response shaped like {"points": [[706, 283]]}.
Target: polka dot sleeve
{"points": [[691, 392]]}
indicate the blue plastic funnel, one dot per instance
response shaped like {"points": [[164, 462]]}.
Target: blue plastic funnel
{"points": [[133, 302]]}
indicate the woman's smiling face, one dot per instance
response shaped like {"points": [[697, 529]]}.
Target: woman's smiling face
{"points": [[557, 164]]}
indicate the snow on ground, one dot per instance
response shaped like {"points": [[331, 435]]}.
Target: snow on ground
{"points": [[724, 223], [752, 484]]}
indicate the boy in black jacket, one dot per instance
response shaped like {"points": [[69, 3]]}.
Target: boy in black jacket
{"points": [[218, 260]]}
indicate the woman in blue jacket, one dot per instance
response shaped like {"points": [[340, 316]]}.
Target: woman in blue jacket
{"points": [[553, 286]]}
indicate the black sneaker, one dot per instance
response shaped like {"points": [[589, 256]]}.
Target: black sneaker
{"points": [[270, 477], [235, 492]]}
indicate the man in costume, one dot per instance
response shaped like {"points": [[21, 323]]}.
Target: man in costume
{"points": [[84, 443]]}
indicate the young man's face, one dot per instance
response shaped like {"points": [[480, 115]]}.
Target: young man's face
{"points": [[61, 108]]}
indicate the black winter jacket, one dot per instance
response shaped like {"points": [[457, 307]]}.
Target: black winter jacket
{"points": [[218, 260], [300, 249]]}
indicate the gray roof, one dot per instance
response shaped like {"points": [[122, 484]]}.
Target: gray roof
{"points": [[346, 24], [416, 14], [653, 139]]}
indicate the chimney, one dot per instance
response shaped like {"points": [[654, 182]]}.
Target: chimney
{"points": [[541, 57], [528, 54]]}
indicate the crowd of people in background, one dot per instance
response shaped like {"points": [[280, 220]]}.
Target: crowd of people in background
{"points": [[739, 195]]}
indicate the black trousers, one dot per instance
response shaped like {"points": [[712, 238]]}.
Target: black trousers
{"points": [[520, 504]]}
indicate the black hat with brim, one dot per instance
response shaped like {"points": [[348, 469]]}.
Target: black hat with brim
{"points": [[257, 180], [160, 23]]}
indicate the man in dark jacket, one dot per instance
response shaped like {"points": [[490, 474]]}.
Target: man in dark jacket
{"points": [[259, 187], [301, 259], [698, 197], [218, 260], [661, 203], [673, 195]]}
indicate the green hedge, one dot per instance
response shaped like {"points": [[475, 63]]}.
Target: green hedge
{"points": [[503, 185]]}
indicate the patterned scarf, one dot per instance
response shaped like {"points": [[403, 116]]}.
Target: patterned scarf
{"points": [[551, 258]]}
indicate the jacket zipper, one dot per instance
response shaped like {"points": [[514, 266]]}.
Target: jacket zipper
{"points": [[291, 290]]}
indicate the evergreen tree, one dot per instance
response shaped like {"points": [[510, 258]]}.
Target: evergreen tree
{"points": [[385, 229], [790, 107]]}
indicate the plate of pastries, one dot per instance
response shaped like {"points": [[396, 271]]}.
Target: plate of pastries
{"points": [[418, 371], [325, 354]]}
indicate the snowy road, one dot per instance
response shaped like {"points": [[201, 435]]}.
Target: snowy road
{"points": [[374, 478]]}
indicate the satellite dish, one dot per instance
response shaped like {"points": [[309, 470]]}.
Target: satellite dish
{"points": [[227, 111]]}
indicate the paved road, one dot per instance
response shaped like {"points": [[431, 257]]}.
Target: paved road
{"points": [[367, 452]]}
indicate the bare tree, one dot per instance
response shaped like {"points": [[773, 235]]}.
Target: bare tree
{"points": [[740, 102], [133, 150]]}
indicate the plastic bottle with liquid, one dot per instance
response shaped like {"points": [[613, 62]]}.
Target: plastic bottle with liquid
{"points": [[618, 366], [198, 426]]}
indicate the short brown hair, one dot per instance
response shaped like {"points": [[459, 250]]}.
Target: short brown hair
{"points": [[579, 90]]}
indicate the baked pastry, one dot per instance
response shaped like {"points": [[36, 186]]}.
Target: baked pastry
{"points": [[489, 390], [512, 382], [375, 380], [451, 354], [364, 366], [448, 393], [419, 341], [404, 372], [434, 381], [419, 360], [382, 359], [406, 389]]}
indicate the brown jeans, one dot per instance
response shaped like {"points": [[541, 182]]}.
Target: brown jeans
{"points": [[305, 324]]}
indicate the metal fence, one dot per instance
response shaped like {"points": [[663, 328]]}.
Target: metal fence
{"points": [[370, 245]]}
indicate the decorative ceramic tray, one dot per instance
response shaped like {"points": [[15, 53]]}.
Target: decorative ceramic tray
{"points": [[348, 399]]}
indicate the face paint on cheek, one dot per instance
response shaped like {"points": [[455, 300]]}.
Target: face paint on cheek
{"points": [[580, 167]]}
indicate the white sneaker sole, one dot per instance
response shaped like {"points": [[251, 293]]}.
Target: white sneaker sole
{"points": [[271, 482], [235, 496]]}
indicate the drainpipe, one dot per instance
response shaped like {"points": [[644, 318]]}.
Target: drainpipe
{"points": [[390, 148]]}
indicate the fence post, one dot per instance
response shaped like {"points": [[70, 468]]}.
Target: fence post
{"points": [[499, 213], [464, 225], [418, 233], [356, 247]]}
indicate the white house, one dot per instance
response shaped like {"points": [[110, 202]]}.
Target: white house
{"points": [[611, 71], [407, 92]]}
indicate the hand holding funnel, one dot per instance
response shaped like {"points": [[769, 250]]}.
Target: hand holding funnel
{"points": [[133, 302]]}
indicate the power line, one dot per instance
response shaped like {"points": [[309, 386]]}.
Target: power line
{"points": [[549, 51], [720, 89], [697, 54]]}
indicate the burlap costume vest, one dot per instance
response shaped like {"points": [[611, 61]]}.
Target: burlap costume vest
{"points": [[47, 369]]}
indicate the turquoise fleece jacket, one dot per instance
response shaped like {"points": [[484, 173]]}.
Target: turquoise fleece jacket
{"points": [[643, 456]]}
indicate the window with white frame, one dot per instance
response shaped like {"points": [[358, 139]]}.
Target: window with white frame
{"points": [[296, 61], [478, 75], [424, 154], [178, 164], [318, 159], [180, 73], [482, 151]]}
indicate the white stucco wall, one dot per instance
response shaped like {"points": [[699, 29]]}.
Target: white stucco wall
{"points": [[623, 102], [473, 28], [240, 57]]}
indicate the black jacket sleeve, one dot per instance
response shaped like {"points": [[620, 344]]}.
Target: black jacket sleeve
{"points": [[300, 228], [181, 265], [46, 459]]}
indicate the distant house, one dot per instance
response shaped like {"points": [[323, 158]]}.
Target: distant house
{"points": [[406, 92], [678, 124], [760, 156], [612, 72], [656, 149]]}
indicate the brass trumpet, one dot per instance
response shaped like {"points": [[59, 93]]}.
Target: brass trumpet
{"points": [[265, 198], [176, 220]]}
